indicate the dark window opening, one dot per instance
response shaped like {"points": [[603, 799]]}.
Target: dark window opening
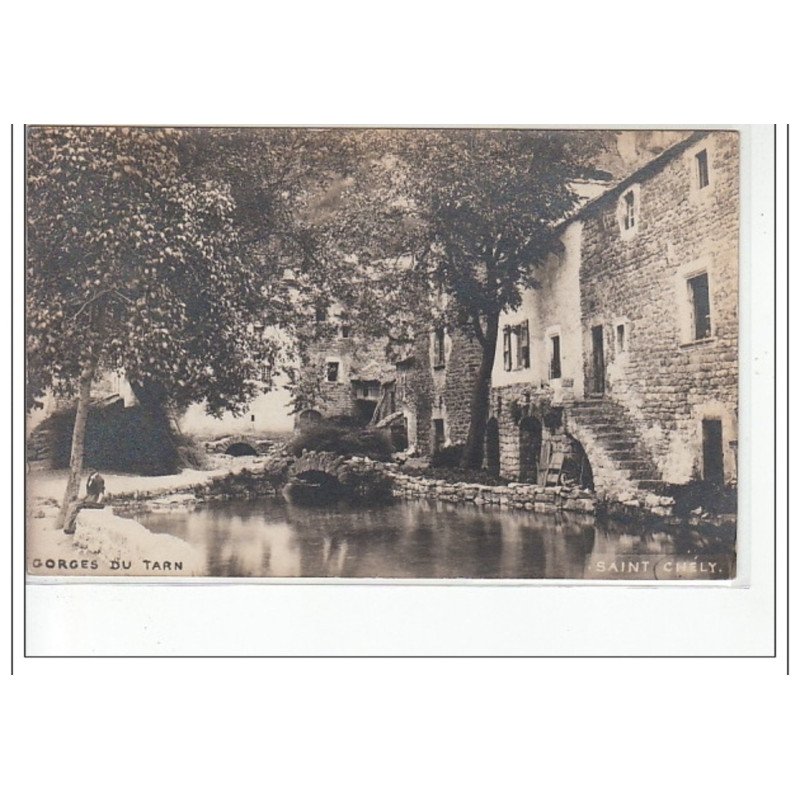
{"points": [[630, 213], [555, 357], [701, 160], [621, 343], [438, 354], [345, 331], [701, 306], [332, 373], [713, 471], [320, 314], [507, 349]]}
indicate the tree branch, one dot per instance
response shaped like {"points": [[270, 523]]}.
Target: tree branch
{"points": [[478, 330]]}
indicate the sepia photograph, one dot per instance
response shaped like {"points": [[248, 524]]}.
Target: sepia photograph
{"points": [[426, 354]]}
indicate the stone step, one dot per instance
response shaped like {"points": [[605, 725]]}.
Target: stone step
{"points": [[608, 430], [615, 446], [632, 464], [643, 474], [619, 438], [651, 485], [591, 419]]}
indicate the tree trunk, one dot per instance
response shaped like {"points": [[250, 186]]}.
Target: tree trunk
{"points": [[69, 504], [479, 404]]}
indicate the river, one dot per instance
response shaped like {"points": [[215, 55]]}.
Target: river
{"points": [[268, 537]]}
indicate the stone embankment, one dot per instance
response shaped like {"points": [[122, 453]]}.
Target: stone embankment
{"points": [[520, 496], [267, 475]]}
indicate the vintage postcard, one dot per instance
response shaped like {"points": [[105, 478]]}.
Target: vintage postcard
{"points": [[354, 353]]}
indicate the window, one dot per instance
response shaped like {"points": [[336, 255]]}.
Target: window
{"points": [[620, 338], [701, 165], [555, 357], [700, 306], [266, 373], [332, 372], [507, 348], [438, 348], [629, 218], [320, 314], [523, 345], [345, 330]]}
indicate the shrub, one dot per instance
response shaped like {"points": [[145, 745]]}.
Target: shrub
{"points": [[448, 456], [343, 439], [118, 439]]}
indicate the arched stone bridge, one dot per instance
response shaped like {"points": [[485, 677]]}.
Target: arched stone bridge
{"points": [[360, 476], [338, 467], [240, 445]]}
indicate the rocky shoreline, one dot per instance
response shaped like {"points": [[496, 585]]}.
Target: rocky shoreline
{"points": [[266, 475]]}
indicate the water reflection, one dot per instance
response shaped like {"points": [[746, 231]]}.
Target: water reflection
{"points": [[425, 539]]}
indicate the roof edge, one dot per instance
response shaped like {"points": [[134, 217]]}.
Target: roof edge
{"points": [[647, 169]]}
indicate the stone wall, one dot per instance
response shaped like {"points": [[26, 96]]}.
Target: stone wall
{"points": [[427, 391], [521, 496], [359, 359], [456, 384], [638, 278], [509, 405], [415, 393], [551, 309]]}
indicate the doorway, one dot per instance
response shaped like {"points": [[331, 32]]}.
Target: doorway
{"points": [[598, 361], [713, 469], [438, 435], [530, 448]]}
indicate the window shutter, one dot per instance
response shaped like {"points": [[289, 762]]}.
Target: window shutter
{"points": [[524, 345]]}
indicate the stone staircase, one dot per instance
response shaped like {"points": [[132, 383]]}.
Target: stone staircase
{"points": [[619, 458]]}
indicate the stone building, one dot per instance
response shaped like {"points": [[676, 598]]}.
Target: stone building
{"points": [[621, 368], [348, 372], [431, 390]]}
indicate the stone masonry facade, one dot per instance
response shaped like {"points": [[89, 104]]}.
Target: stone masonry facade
{"points": [[624, 359], [667, 377], [640, 296]]}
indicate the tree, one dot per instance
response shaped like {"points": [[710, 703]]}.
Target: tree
{"points": [[134, 262], [473, 213], [490, 200]]}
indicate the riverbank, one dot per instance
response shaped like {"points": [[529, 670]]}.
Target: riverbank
{"points": [[107, 544]]}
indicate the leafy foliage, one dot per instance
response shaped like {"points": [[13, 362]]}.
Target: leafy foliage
{"points": [[449, 456], [132, 264], [466, 217], [342, 438]]}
